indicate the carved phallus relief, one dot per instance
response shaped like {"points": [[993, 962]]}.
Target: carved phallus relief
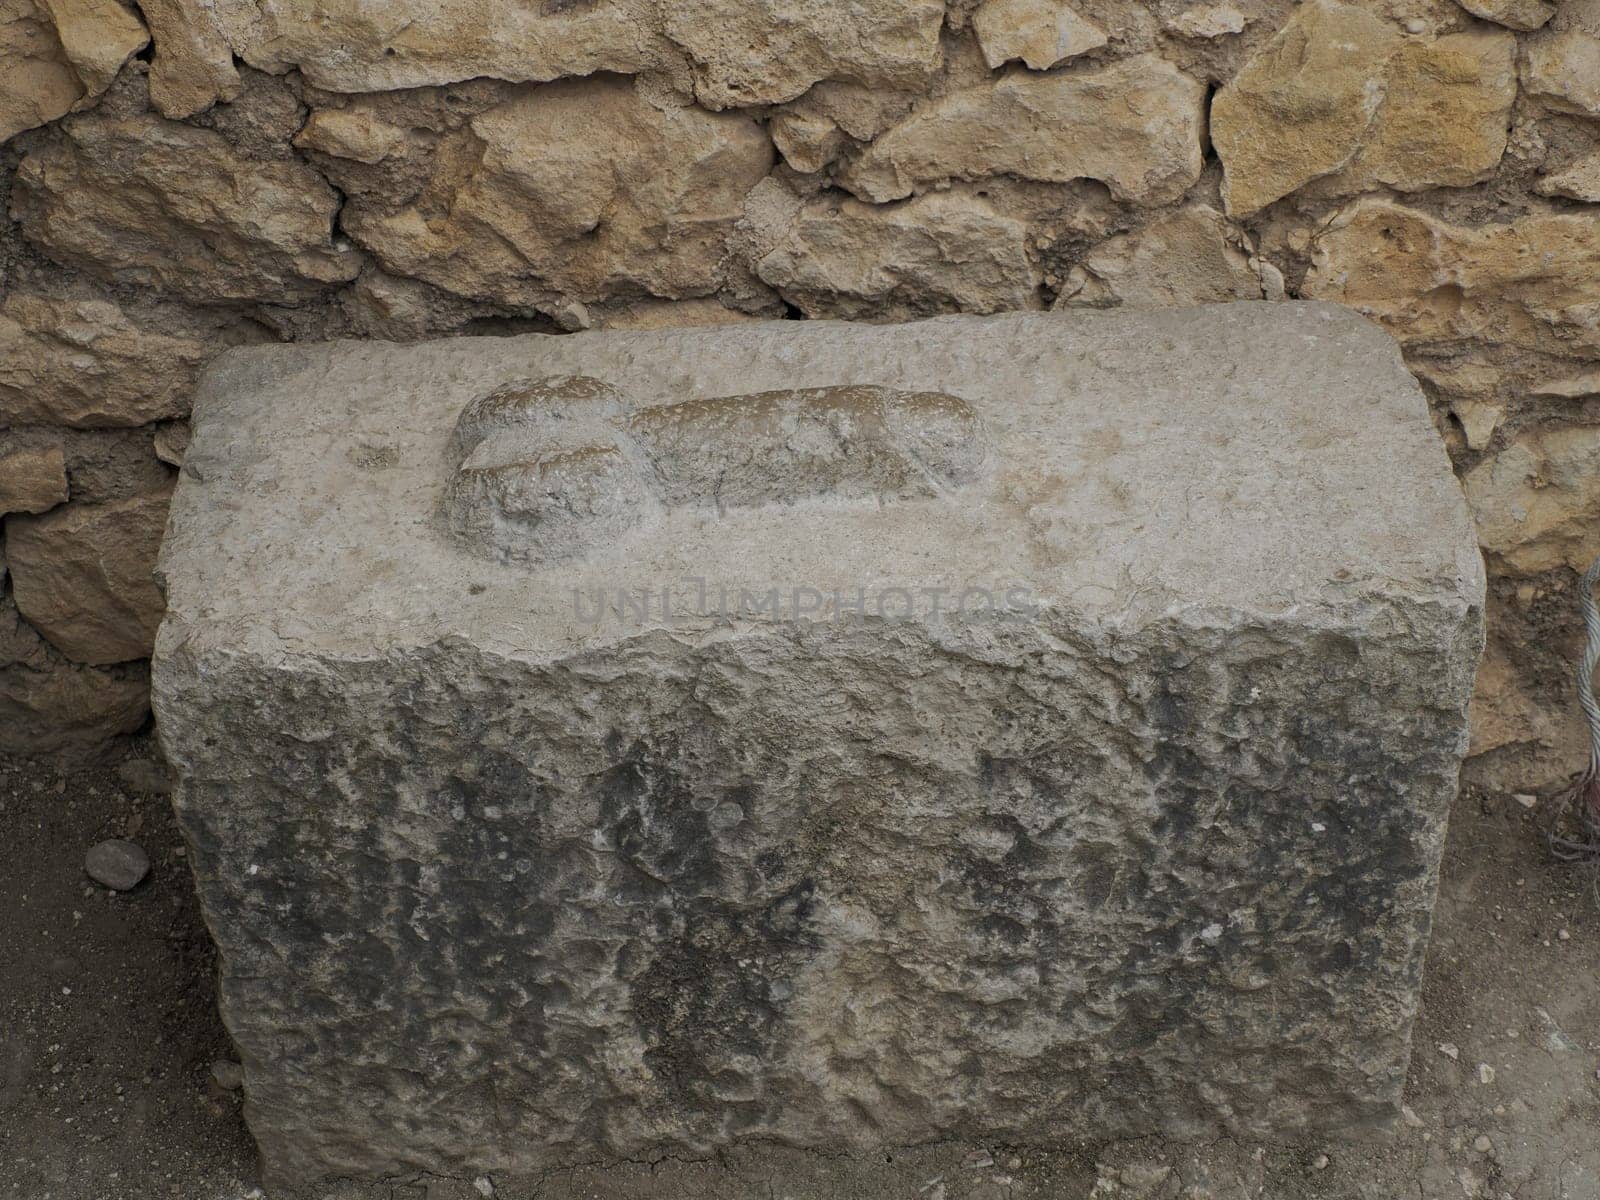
{"points": [[544, 470]]}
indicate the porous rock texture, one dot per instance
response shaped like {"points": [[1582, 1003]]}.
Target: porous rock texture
{"points": [[180, 176], [515, 864]]}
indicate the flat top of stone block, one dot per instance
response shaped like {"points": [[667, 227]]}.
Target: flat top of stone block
{"points": [[1122, 466]]}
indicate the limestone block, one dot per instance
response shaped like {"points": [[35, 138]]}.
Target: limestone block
{"points": [[97, 37], [32, 480], [89, 364], [765, 51], [1533, 282], [154, 203], [193, 65], [943, 252], [84, 576], [37, 82], [739, 52], [1208, 21], [1561, 62], [1041, 33], [1134, 125], [1111, 804], [1340, 93], [807, 141]]}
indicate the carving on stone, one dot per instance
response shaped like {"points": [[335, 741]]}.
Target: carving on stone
{"points": [[544, 469]]}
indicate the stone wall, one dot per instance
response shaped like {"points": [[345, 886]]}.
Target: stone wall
{"points": [[187, 176]]}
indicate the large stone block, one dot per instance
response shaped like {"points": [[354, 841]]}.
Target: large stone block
{"points": [[1029, 728]]}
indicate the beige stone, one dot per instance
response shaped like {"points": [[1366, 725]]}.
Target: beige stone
{"points": [[1444, 117], [1578, 181], [862, 112], [153, 203], [1338, 92], [86, 363], [1041, 33], [32, 481], [1209, 21], [1190, 256], [355, 46], [1535, 502], [83, 576], [1533, 282], [37, 83], [1513, 14], [944, 252], [575, 192], [1577, 386], [738, 52], [352, 133], [1299, 108], [766, 51], [193, 65], [1561, 62], [1134, 125], [807, 141], [97, 37], [1479, 420]]}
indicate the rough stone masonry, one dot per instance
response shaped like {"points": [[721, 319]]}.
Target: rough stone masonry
{"points": [[1073, 763]]}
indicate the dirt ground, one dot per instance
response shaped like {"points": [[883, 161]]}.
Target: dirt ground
{"points": [[108, 1034]]}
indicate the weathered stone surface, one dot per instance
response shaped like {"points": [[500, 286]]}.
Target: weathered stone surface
{"points": [[32, 481], [51, 706], [1189, 257], [88, 364], [97, 37], [1535, 502], [155, 203], [1209, 21], [1312, 87], [739, 51], [503, 881], [1338, 92], [575, 192], [1041, 33], [1533, 282], [1577, 386], [83, 576], [943, 252], [1561, 62], [764, 51], [1134, 125], [1578, 181], [37, 83], [193, 66], [807, 141], [1514, 14], [116, 863], [1479, 421]]}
